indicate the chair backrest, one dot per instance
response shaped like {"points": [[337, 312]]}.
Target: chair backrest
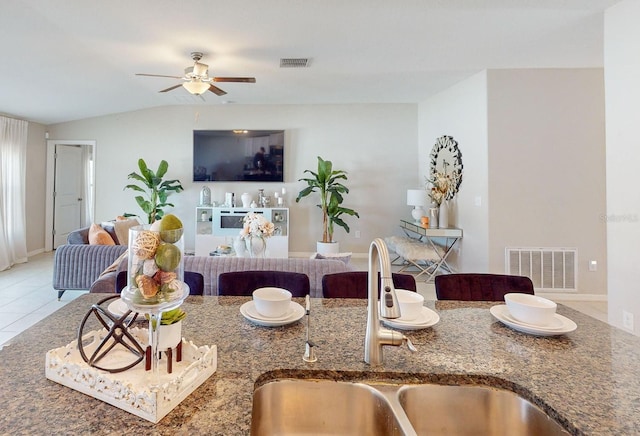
{"points": [[193, 279], [243, 283], [354, 284], [480, 287]]}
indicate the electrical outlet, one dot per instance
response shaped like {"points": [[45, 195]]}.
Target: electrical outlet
{"points": [[627, 320], [593, 265], [357, 233]]}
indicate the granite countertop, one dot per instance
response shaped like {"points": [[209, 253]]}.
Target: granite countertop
{"points": [[587, 379]]}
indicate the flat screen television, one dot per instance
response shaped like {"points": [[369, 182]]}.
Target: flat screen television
{"points": [[238, 155]]}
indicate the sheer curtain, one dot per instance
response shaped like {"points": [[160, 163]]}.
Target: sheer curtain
{"points": [[13, 165]]}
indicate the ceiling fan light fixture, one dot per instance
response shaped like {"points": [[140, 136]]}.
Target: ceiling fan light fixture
{"points": [[196, 87], [200, 69]]}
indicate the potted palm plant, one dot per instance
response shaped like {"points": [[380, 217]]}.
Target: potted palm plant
{"points": [[156, 189], [327, 182]]}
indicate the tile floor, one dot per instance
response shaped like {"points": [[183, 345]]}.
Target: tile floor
{"points": [[27, 296]]}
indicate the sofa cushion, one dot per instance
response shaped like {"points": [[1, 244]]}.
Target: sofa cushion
{"points": [[99, 236], [119, 229], [211, 267]]}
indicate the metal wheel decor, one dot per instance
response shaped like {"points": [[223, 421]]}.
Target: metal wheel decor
{"points": [[117, 333]]}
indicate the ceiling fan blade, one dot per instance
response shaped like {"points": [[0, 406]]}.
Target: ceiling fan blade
{"points": [[171, 88], [158, 75], [217, 91], [234, 79]]}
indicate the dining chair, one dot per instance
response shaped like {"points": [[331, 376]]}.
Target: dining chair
{"points": [[480, 287], [354, 284], [243, 283], [193, 279]]}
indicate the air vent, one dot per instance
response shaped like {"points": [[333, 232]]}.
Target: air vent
{"points": [[550, 269], [294, 62]]}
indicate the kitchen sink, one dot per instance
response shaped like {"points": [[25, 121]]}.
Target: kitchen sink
{"points": [[299, 407], [473, 410], [305, 407]]}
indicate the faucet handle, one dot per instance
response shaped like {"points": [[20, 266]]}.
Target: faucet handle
{"points": [[410, 345]]}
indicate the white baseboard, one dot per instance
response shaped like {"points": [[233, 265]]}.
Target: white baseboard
{"points": [[34, 252], [572, 296]]}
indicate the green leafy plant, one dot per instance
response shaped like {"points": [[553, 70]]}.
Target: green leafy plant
{"points": [[326, 181], [171, 317], [156, 190]]}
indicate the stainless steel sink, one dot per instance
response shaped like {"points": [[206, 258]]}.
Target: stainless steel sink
{"points": [[305, 407], [300, 407], [473, 410]]}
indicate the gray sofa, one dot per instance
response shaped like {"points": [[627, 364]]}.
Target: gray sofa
{"points": [[212, 267], [77, 264]]}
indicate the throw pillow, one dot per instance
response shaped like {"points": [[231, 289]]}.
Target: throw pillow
{"points": [[344, 257], [122, 229], [99, 236]]}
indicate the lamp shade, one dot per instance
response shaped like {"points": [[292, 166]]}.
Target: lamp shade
{"points": [[416, 197], [196, 87]]}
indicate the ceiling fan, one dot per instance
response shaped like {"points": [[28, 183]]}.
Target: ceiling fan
{"points": [[196, 79]]}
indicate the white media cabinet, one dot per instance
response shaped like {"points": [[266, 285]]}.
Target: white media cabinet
{"points": [[217, 226]]}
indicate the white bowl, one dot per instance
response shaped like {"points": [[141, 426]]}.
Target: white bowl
{"points": [[530, 309], [272, 302], [410, 304]]}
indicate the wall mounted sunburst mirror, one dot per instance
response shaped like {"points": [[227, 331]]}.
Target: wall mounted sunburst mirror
{"points": [[446, 158]]}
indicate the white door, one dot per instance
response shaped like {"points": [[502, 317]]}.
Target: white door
{"points": [[68, 193]]}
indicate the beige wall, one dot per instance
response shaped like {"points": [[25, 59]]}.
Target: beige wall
{"points": [[35, 183], [622, 82], [375, 144], [533, 151], [461, 112], [547, 166]]}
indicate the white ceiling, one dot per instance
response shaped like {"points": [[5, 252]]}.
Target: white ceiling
{"points": [[72, 59]]}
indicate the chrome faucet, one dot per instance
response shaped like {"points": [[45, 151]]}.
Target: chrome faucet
{"points": [[376, 336]]}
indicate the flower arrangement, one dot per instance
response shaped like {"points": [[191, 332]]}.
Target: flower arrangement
{"points": [[442, 187], [256, 226]]}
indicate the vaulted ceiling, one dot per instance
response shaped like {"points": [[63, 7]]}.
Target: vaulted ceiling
{"points": [[71, 59]]}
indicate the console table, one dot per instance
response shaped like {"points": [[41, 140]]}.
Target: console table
{"points": [[431, 237]]}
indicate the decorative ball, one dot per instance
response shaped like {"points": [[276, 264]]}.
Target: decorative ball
{"points": [[146, 244]]}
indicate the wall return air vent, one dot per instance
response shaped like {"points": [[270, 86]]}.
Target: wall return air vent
{"points": [[550, 269], [294, 62]]}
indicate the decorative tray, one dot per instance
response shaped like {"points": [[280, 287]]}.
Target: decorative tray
{"points": [[133, 390]]}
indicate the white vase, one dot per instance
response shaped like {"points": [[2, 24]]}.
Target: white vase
{"points": [[256, 247], [239, 247], [443, 216], [246, 199]]}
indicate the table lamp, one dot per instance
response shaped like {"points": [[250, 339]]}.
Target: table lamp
{"points": [[417, 198]]}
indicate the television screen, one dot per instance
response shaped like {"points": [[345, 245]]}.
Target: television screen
{"points": [[238, 155]]}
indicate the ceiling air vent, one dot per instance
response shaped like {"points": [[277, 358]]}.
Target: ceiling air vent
{"points": [[294, 62]]}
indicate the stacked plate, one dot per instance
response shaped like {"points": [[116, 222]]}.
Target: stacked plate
{"points": [[295, 313], [558, 326], [427, 318]]}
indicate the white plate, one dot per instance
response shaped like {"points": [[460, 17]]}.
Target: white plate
{"points": [[501, 313], [253, 313], [119, 308], [426, 319], [556, 322], [297, 312]]}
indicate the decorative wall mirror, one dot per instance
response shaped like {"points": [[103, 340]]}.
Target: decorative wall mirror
{"points": [[446, 158]]}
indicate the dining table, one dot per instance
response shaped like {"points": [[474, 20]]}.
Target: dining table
{"points": [[585, 379]]}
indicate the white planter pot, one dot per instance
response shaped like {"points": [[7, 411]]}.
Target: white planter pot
{"points": [[328, 247], [169, 336]]}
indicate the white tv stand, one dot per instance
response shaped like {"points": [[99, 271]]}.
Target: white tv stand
{"points": [[217, 226]]}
